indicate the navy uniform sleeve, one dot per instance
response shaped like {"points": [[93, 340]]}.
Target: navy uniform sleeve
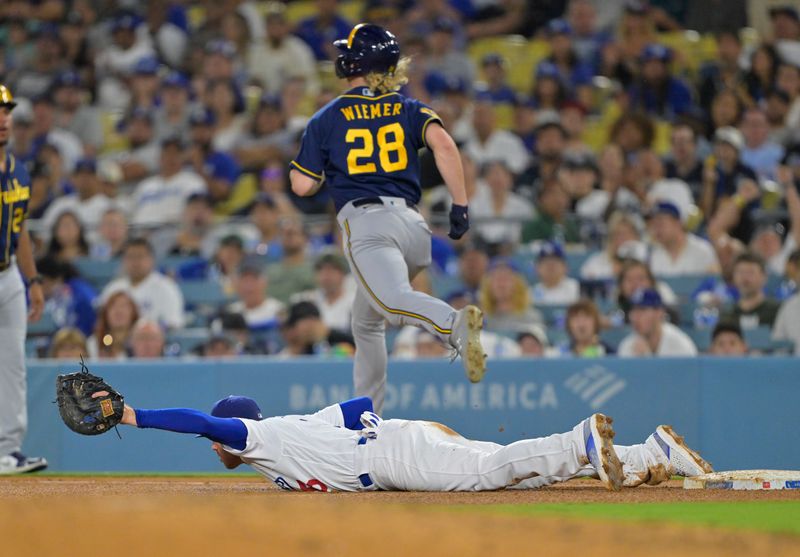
{"points": [[310, 161], [421, 116]]}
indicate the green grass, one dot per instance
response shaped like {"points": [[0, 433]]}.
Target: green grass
{"points": [[767, 516]]}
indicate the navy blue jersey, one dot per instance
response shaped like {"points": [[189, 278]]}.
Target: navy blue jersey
{"points": [[15, 192], [366, 146]]}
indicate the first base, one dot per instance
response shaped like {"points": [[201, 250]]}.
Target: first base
{"points": [[750, 480]]}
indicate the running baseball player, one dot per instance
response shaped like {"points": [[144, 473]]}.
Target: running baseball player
{"points": [[364, 145], [16, 254], [347, 447]]}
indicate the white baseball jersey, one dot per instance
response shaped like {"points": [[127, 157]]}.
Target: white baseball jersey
{"points": [[305, 452], [317, 453]]}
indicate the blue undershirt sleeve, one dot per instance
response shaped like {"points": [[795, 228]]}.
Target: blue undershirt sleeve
{"points": [[352, 410], [228, 431]]}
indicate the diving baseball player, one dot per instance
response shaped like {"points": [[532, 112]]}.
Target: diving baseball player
{"points": [[16, 254], [364, 145], [347, 447]]}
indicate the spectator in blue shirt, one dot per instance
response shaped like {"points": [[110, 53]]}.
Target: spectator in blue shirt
{"points": [[656, 91], [758, 152], [319, 31], [494, 68], [572, 71], [68, 298], [219, 169]]}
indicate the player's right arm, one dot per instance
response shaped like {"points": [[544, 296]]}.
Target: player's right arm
{"points": [[307, 168]]}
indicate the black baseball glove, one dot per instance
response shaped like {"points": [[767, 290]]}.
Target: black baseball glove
{"points": [[82, 412]]}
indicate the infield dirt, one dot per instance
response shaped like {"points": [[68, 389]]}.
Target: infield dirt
{"points": [[43, 516]]}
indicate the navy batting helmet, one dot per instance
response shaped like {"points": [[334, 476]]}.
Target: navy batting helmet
{"points": [[368, 48]]}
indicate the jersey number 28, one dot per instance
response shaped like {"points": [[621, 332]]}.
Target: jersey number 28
{"points": [[391, 139]]}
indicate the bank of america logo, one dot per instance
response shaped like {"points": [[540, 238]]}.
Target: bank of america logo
{"points": [[595, 385]]}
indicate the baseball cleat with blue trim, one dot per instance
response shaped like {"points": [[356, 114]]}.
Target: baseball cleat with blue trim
{"points": [[18, 463], [466, 339], [598, 436], [683, 461]]}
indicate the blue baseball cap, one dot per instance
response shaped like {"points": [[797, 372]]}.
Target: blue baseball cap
{"points": [[68, 78], [237, 407], [558, 27], [146, 66], [646, 298], [507, 262], [493, 59], [551, 249], [87, 164], [547, 69], [656, 52], [221, 47], [202, 116], [665, 208], [270, 100], [175, 79], [125, 21]]}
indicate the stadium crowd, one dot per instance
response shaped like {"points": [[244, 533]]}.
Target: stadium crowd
{"points": [[633, 172]]}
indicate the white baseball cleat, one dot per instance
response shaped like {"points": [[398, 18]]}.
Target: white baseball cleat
{"points": [[17, 463], [598, 438], [465, 337], [683, 461]]}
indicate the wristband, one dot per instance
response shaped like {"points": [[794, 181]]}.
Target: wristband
{"points": [[38, 279]]}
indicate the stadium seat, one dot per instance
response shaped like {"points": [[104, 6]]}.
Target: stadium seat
{"points": [[97, 273], [684, 285], [612, 337], [184, 341], [758, 339], [45, 326], [200, 293], [520, 55]]}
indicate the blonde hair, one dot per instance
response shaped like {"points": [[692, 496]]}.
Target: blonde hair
{"points": [[521, 298], [389, 81], [65, 337]]}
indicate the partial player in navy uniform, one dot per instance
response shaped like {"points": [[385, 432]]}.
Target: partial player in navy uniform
{"points": [[363, 145], [16, 254]]}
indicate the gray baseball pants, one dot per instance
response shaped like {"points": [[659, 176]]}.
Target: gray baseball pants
{"points": [[387, 245], [13, 327]]}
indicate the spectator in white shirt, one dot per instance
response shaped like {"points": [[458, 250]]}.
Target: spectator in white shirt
{"points": [[281, 55], [490, 143], [87, 203], [677, 252], [554, 288], [131, 42], [652, 335], [604, 265], [759, 152], [260, 311], [494, 199], [160, 200], [45, 131], [157, 296], [787, 322], [335, 291]]}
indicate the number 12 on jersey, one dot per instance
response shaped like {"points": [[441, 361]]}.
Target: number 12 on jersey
{"points": [[391, 139]]}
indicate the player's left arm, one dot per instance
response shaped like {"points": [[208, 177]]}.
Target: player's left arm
{"points": [[28, 267], [228, 431], [448, 161]]}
